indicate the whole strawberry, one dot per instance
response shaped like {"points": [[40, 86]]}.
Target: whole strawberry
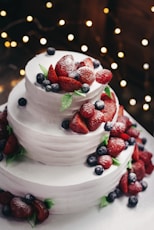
{"points": [[117, 129], [87, 110], [134, 188], [95, 121], [103, 76], [105, 161], [42, 212], [86, 75], [115, 146]]}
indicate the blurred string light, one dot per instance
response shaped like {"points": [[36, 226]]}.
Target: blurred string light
{"points": [[117, 30], [106, 10], [152, 9], [4, 35], [146, 107], [123, 83], [48, 5], [84, 48], [147, 98], [132, 101], [3, 13], [61, 22], [114, 66], [29, 18], [89, 23], [70, 37], [25, 38], [22, 72], [43, 41], [145, 42], [121, 54], [104, 50]]}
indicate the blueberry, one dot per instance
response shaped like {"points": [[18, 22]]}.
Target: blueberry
{"points": [[40, 78], [132, 177], [51, 51], [74, 75], [132, 201], [131, 141], [99, 105], [144, 140], [1, 156], [96, 63], [111, 197], [46, 82], [108, 126], [29, 198], [144, 185], [6, 210], [65, 124], [140, 147], [92, 160], [101, 150], [22, 101], [118, 192], [99, 170], [2, 144], [55, 87], [85, 88], [48, 88]]}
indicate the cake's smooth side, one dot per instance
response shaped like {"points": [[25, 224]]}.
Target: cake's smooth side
{"points": [[38, 125], [72, 189]]}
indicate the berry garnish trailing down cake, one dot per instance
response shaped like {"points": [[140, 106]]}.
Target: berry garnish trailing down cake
{"points": [[64, 129]]}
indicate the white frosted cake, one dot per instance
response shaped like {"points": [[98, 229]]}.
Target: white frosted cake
{"points": [[60, 161]]}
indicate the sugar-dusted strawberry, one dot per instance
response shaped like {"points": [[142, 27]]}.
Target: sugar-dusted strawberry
{"points": [[133, 132], [115, 146], [139, 169], [105, 161], [78, 125], [87, 110], [65, 65], [125, 120], [52, 76], [134, 188], [95, 121], [86, 75], [42, 212], [149, 168], [136, 153], [69, 84], [103, 76], [117, 129], [86, 62], [5, 197], [20, 209], [145, 156], [123, 184], [11, 144]]}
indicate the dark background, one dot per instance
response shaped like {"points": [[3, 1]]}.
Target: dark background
{"points": [[134, 18]]}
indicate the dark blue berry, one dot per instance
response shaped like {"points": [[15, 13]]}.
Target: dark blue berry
{"points": [[29, 198], [111, 197], [99, 170], [6, 210], [132, 201], [85, 88], [140, 146], [92, 160], [65, 124], [1, 156], [2, 144], [46, 82], [144, 185], [118, 192], [51, 51], [131, 140], [108, 126], [40, 78], [96, 63], [144, 140], [132, 178], [101, 150], [75, 75], [99, 105], [22, 101], [48, 88], [55, 87]]}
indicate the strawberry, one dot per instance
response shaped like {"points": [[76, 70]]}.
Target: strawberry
{"points": [[3, 117], [65, 65], [125, 120], [69, 84], [145, 156], [121, 111], [103, 76], [133, 132], [105, 161], [136, 153], [86, 75], [11, 144], [124, 136], [109, 107], [149, 168], [77, 124], [95, 121], [20, 209], [115, 146], [117, 129], [139, 169], [87, 110], [42, 212], [134, 188], [52, 76], [5, 197], [123, 184], [86, 62]]}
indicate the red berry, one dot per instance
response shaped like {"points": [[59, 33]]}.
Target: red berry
{"points": [[69, 84], [123, 184], [86, 75], [117, 129], [87, 110], [65, 65], [95, 121], [133, 132], [134, 188], [86, 62], [135, 155], [42, 212], [77, 124], [103, 76], [11, 145], [105, 161], [5, 197], [115, 146], [139, 169], [52, 76]]}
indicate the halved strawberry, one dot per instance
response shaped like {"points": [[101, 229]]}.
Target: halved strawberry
{"points": [[134, 188], [86, 62], [135, 155], [139, 169], [77, 124], [69, 84], [65, 65], [103, 76], [86, 75], [11, 145], [52, 76], [42, 212], [87, 110], [95, 121], [123, 184], [115, 146]]}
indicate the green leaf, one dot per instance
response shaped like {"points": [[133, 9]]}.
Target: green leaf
{"points": [[115, 161], [49, 203], [44, 70], [103, 202], [105, 139], [32, 220], [129, 164], [9, 129], [79, 93], [66, 101], [18, 156], [108, 91]]}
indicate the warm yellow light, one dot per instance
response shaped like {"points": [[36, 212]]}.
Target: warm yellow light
{"points": [[84, 48], [3, 13], [103, 50], [146, 66], [49, 5], [29, 18], [117, 30], [7, 44], [4, 35], [1, 88], [43, 41], [70, 37], [25, 39], [22, 72], [13, 83], [114, 65], [123, 83], [61, 22], [132, 101], [144, 42], [13, 44], [106, 10], [152, 9], [89, 23], [121, 54], [148, 98], [146, 107]]}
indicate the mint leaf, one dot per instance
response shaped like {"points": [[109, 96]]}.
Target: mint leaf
{"points": [[79, 93], [129, 164], [18, 156], [32, 220], [66, 101], [105, 139], [9, 129], [48, 203], [108, 91], [44, 70], [115, 161], [103, 202]]}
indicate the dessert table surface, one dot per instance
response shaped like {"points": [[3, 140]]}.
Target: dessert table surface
{"points": [[115, 216]]}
